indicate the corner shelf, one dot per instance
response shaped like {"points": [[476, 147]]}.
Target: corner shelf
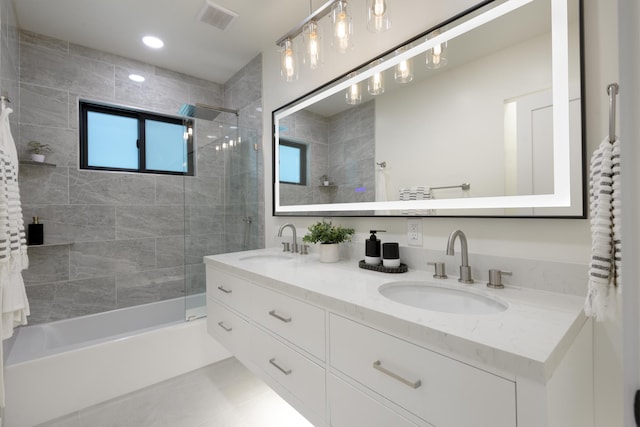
{"points": [[32, 163], [328, 186]]}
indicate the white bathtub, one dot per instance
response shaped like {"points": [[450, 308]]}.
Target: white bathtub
{"points": [[61, 367]]}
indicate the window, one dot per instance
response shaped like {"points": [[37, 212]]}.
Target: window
{"points": [[121, 139], [293, 162]]}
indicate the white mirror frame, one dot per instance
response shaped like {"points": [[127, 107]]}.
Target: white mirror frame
{"points": [[561, 196]]}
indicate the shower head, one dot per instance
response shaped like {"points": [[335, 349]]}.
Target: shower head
{"points": [[203, 111]]}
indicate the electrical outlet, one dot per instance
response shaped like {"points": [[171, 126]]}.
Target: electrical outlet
{"points": [[414, 232]]}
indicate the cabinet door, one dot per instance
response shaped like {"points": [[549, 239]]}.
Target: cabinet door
{"points": [[298, 322], [438, 389], [349, 408]]}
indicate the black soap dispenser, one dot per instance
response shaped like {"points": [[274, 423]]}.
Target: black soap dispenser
{"points": [[372, 248], [35, 232]]}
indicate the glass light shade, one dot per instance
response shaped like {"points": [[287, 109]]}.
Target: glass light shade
{"points": [[288, 62], [354, 96], [312, 39], [404, 71], [342, 26], [378, 16], [436, 56], [375, 84]]}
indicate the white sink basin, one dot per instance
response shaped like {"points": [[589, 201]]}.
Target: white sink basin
{"points": [[443, 298], [267, 257]]}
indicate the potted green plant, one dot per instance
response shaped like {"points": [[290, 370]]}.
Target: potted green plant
{"points": [[329, 236], [38, 150]]}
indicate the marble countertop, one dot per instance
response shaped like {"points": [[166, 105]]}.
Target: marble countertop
{"points": [[528, 339]]}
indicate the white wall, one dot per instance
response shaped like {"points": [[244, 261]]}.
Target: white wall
{"points": [[546, 239]]}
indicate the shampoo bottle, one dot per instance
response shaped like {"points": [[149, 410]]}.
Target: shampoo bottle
{"points": [[35, 232]]}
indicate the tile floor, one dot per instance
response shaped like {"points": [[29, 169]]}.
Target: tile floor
{"points": [[224, 394]]}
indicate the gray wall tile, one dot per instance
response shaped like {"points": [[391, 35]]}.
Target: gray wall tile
{"points": [[73, 223], [150, 286], [97, 259], [43, 185], [44, 106], [93, 188], [46, 264], [134, 222]]}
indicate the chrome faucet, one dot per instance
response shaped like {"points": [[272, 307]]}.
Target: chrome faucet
{"points": [[465, 269], [294, 244]]}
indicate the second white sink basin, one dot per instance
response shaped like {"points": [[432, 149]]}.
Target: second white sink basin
{"points": [[442, 298]]}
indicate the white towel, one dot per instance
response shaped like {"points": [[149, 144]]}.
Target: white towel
{"points": [[381, 185], [605, 215], [13, 245]]}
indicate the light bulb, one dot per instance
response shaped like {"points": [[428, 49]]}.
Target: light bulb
{"points": [[342, 26], [376, 84], [403, 72], [378, 16], [288, 66], [435, 56], [353, 94], [312, 42]]}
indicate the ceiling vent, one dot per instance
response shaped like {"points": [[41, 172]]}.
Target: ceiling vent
{"points": [[216, 16]]}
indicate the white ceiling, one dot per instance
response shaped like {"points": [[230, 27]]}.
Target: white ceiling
{"points": [[191, 47]]}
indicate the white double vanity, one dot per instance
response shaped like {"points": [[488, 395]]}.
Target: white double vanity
{"points": [[344, 355]]}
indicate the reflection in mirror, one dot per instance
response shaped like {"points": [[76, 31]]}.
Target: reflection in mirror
{"points": [[482, 117]]}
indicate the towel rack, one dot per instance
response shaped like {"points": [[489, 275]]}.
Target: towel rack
{"points": [[382, 164], [464, 186], [612, 91]]}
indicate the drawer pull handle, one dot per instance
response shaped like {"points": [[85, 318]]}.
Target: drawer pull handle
{"points": [[225, 290], [413, 384], [279, 317], [280, 368], [225, 327]]}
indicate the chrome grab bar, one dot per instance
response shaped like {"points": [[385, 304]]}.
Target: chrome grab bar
{"points": [[279, 317], [280, 368], [413, 384]]}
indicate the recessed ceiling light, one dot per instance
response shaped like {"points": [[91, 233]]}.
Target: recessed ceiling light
{"points": [[136, 78], [152, 42]]}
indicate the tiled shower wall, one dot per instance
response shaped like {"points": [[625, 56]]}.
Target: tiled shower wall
{"points": [[118, 239], [341, 146]]}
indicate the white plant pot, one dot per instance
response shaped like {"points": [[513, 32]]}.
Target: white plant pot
{"points": [[329, 252], [37, 157]]}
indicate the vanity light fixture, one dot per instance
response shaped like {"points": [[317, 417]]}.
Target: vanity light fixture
{"points": [[404, 69], [354, 96], [375, 84], [378, 16], [342, 26], [288, 62], [312, 39], [153, 42], [435, 56]]}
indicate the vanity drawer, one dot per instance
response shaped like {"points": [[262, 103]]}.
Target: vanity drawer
{"points": [[436, 388], [294, 320], [350, 407], [299, 375], [229, 289], [229, 329]]}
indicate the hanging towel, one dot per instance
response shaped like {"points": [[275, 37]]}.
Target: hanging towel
{"points": [[381, 185], [605, 215], [13, 245], [419, 192]]}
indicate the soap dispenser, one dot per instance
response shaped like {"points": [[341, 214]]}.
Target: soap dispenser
{"points": [[35, 232], [372, 248]]}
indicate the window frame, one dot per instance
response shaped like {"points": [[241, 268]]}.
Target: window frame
{"points": [[303, 160], [87, 106]]}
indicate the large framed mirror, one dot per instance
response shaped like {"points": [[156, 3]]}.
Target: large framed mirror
{"points": [[479, 116]]}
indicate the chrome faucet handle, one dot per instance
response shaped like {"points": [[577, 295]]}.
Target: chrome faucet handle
{"points": [[495, 278], [439, 270], [285, 247], [304, 249], [294, 247]]}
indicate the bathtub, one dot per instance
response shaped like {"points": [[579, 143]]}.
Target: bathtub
{"points": [[61, 367]]}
